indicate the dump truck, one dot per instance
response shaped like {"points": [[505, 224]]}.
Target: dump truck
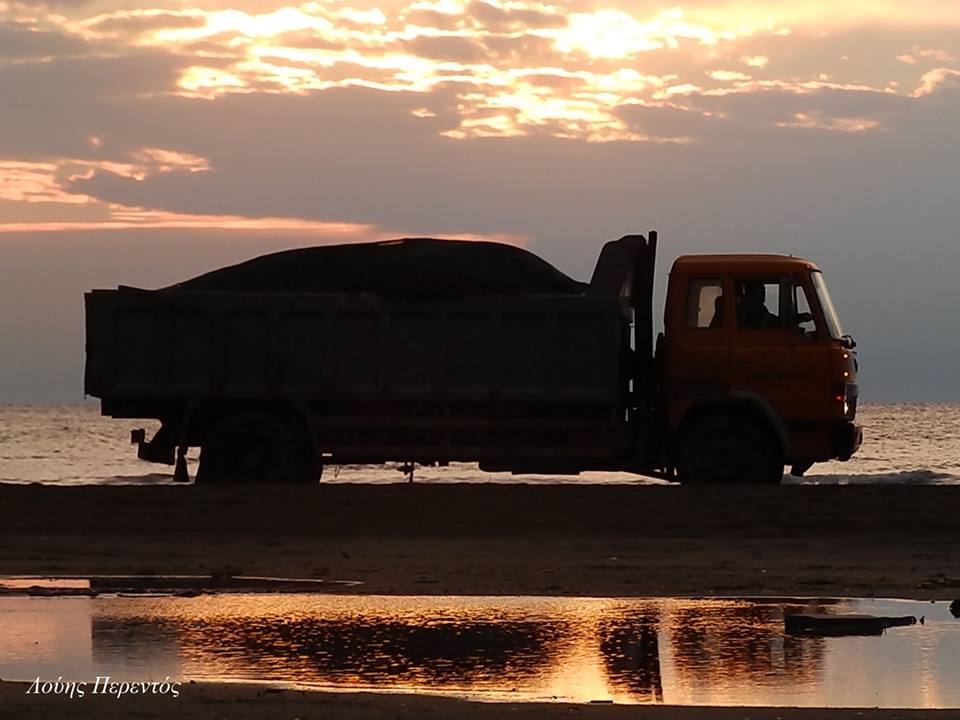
{"points": [[425, 351]]}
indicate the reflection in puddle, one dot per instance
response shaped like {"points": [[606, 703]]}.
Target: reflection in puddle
{"points": [[43, 583], [678, 651]]}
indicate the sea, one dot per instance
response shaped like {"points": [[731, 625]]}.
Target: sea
{"points": [[915, 444]]}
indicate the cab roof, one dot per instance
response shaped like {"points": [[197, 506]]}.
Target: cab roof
{"points": [[749, 263]]}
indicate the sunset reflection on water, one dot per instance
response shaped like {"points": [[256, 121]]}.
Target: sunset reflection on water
{"points": [[663, 650]]}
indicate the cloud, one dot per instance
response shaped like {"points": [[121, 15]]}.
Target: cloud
{"points": [[641, 54], [432, 19], [668, 122], [862, 54], [937, 79], [39, 97], [36, 213], [755, 61], [57, 4], [447, 48], [728, 75], [23, 41], [563, 84], [139, 22], [129, 102], [307, 39], [523, 50], [754, 104], [514, 17]]}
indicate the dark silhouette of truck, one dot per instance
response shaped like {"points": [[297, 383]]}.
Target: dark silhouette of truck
{"points": [[434, 351]]}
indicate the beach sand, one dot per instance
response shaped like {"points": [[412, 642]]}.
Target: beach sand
{"points": [[246, 702], [625, 540]]}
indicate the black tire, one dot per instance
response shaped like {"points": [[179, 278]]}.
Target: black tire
{"points": [[728, 448], [255, 448]]}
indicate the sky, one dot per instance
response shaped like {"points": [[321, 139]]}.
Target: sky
{"points": [[142, 147]]}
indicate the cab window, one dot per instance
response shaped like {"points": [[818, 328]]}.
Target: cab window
{"points": [[705, 304], [803, 316], [758, 304], [774, 303]]}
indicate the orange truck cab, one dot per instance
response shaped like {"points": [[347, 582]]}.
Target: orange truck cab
{"points": [[756, 371]]}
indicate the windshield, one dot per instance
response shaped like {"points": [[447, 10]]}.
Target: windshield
{"points": [[826, 304]]}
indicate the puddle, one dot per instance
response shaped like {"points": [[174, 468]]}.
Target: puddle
{"points": [[662, 650]]}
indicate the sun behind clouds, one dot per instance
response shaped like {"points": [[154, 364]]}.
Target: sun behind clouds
{"points": [[588, 60], [586, 71]]}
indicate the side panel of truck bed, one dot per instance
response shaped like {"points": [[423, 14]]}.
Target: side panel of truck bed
{"points": [[353, 348]]}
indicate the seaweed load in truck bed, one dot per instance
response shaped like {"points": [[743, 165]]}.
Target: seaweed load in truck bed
{"points": [[415, 268]]}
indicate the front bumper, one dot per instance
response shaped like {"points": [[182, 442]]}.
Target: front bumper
{"points": [[846, 440]]}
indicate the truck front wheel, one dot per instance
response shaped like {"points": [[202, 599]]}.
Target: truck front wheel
{"points": [[728, 447], [255, 448]]}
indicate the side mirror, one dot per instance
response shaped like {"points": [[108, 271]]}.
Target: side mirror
{"points": [[849, 342]]}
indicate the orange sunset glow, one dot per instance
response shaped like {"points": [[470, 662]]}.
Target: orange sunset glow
{"points": [[588, 72]]}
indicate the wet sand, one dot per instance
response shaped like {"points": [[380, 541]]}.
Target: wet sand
{"points": [[892, 541], [247, 702]]}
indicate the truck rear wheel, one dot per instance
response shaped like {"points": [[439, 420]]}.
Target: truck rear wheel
{"points": [[727, 448], [255, 448]]}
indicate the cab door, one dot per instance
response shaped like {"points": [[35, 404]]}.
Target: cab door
{"points": [[697, 363], [776, 351]]}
